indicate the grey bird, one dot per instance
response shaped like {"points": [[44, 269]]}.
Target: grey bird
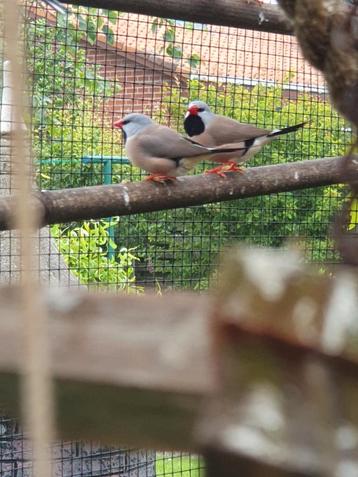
{"points": [[212, 130], [164, 153]]}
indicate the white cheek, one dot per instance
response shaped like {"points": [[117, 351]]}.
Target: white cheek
{"points": [[204, 118]]}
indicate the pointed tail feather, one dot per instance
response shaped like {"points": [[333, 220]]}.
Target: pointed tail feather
{"points": [[279, 132]]}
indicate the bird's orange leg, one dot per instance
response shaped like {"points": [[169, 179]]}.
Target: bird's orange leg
{"points": [[229, 166], [217, 170], [234, 167], [159, 178]]}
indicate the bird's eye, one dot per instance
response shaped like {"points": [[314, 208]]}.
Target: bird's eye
{"points": [[200, 110], [125, 122]]}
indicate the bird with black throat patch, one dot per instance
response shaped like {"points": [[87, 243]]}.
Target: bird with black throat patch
{"points": [[212, 130], [163, 152]]}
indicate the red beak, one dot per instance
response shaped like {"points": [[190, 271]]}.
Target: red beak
{"points": [[118, 124], [193, 110]]}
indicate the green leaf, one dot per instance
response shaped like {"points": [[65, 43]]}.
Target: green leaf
{"points": [[109, 34], [113, 16], [353, 215], [194, 60], [91, 32], [155, 25], [100, 23], [174, 51], [189, 25], [82, 23], [169, 35]]}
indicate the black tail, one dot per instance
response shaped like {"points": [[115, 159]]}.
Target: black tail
{"points": [[287, 130]]}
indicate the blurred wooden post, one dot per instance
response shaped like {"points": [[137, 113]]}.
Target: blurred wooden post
{"points": [[286, 359]]}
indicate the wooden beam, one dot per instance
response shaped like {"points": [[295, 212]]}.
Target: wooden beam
{"points": [[132, 198], [125, 367], [286, 357], [233, 13]]}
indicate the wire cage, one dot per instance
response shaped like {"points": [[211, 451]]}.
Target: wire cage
{"points": [[88, 67]]}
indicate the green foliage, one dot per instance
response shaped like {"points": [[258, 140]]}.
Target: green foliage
{"points": [[85, 251], [353, 215], [181, 466], [61, 76], [61, 144], [168, 30]]}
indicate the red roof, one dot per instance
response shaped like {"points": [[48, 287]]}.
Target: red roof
{"points": [[226, 53]]}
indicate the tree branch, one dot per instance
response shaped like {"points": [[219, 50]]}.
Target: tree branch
{"points": [[233, 13], [85, 203]]}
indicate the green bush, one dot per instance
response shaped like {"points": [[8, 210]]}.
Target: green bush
{"points": [[85, 251], [63, 143]]}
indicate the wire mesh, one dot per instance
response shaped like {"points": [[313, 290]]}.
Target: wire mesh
{"points": [[89, 67]]}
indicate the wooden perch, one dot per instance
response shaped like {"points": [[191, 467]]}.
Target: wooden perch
{"points": [[233, 13], [257, 376], [84, 203]]}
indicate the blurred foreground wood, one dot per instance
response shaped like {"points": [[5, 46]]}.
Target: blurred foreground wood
{"points": [[261, 376]]}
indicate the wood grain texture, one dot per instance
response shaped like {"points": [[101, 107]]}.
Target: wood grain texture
{"points": [[125, 367], [136, 197], [233, 13]]}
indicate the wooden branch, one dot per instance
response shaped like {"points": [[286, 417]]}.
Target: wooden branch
{"points": [[233, 13], [131, 198]]}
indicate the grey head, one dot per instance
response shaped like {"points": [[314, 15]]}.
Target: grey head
{"points": [[200, 106], [133, 124], [197, 118]]}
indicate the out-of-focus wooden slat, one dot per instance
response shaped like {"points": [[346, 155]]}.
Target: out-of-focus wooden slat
{"points": [[129, 369]]}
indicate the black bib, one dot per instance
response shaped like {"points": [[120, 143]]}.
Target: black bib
{"points": [[193, 125]]}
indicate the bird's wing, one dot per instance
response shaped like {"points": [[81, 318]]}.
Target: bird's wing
{"points": [[161, 141], [225, 130]]}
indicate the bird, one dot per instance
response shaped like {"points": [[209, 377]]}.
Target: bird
{"points": [[212, 130], [163, 152]]}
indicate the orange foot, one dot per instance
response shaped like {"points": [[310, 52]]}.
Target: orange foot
{"points": [[159, 178], [229, 166], [217, 170], [233, 167]]}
